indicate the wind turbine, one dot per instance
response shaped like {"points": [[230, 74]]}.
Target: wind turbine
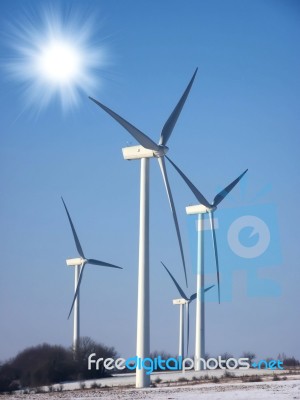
{"points": [[184, 300], [200, 209], [79, 263], [146, 150]]}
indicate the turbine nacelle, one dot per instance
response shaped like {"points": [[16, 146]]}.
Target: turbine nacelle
{"points": [[72, 262], [138, 152], [199, 209], [180, 301]]}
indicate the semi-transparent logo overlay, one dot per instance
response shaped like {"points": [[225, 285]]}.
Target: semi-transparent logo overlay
{"points": [[174, 364], [248, 240]]}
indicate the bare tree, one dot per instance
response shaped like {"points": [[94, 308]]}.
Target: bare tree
{"points": [[251, 356]]}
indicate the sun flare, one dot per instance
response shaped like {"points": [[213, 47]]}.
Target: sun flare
{"points": [[56, 56], [60, 62]]}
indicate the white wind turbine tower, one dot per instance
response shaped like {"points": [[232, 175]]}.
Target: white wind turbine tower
{"points": [[184, 300], [79, 263], [146, 150], [200, 209]]}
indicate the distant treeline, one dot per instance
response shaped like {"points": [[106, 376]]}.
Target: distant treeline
{"points": [[47, 364]]}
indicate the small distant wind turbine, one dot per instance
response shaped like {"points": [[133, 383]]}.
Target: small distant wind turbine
{"points": [[79, 263], [185, 300], [146, 150], [200, 209]]}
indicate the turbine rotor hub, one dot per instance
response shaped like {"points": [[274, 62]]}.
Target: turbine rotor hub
{"points": [[162, 151], [212, 209]]}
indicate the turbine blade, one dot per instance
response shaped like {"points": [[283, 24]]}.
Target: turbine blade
{"points": [[171, 122], [77, 289], [102, 263], [221, 196], [199, 196], [188, 328], [208, 288], [215, 249], [162, 165], [193, 297], [143, 139], [181, 292], [78, 245]]}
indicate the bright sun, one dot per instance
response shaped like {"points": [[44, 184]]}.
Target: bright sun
{"points": [[60, 62], [56, 57]]}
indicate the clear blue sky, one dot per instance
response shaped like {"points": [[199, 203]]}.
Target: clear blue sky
{"points": [[242, 112]]}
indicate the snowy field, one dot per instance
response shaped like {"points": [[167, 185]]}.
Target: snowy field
{"points": [[279, 390], [268, 389], [171, 377]]}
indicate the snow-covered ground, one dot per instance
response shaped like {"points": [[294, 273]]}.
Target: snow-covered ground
{"points": [[279, 390], [267, 390], [168, 377]]}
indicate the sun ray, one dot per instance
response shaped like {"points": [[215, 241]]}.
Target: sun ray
{"points": [[55, 55]]}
